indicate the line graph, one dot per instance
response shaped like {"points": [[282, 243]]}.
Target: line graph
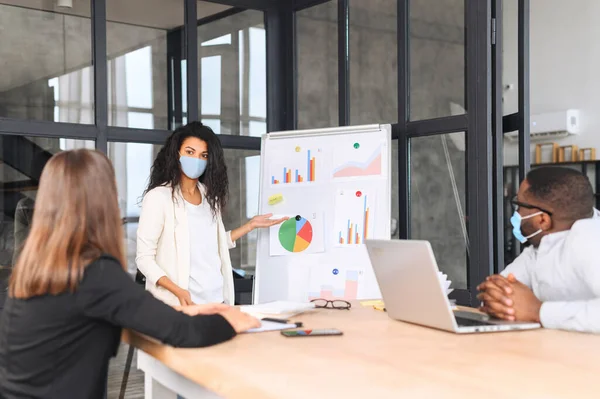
{"points": [[358, 160]]}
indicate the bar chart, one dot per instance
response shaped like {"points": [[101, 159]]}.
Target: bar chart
{"points": [[301, 168], [334, 283], [353, 217]]}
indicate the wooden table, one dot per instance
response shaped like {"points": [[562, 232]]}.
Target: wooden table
{"points": [[378, 358]]}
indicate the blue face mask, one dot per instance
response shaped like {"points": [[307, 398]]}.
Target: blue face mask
{"points": [[516, 220], [192, 167]]}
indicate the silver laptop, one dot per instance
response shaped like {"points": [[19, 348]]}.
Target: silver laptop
{"points": [[406, 271]]}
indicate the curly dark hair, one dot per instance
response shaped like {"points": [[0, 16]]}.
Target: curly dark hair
{"points": [[166, 169]]}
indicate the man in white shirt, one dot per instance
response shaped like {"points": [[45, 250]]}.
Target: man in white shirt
{"points": [[556, 279]]}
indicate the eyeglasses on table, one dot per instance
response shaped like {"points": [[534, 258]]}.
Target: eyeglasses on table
{"points": [[333, 304]]}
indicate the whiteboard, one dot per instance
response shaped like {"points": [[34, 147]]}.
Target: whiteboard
{"points": [[336, 190]]}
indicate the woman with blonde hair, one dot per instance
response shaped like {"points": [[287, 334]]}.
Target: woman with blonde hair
{"points": [[69, 294]]}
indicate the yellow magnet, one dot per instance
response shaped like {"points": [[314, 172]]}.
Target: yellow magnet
{"points": [[298, 148], [275, 199]]}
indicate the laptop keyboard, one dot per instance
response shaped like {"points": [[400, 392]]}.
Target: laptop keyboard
{"points": [[464, 322]]}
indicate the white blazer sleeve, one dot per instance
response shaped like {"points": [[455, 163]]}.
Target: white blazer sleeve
{"points": [[230, 242], [580, 315], [150, 228]]}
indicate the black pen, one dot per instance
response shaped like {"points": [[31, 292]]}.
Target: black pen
{"points": [[282, 321]]}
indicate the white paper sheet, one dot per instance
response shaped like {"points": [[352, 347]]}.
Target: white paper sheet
{"points": [[271, 326], [278, 309]]}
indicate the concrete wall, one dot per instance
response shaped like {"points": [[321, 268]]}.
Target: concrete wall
{"points": [[437, 68], [56, 45], [317, 47], [437, 79], [25, 94]]}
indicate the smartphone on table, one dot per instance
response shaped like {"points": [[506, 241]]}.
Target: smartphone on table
{"points": [[311, 333]]}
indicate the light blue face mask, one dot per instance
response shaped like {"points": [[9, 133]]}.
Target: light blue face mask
{"points": [[516, 220], [192, 167]]}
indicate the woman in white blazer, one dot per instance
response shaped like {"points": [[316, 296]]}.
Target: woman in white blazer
{"points": [[182, 244]]}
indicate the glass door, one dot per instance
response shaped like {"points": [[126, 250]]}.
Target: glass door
{"points": [[445, 136]]}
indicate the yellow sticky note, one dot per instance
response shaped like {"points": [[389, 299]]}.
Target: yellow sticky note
{"points": [[375, 302], [275, 199]]}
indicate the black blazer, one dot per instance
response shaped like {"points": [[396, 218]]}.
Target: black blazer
{"points": [[59, 346]]}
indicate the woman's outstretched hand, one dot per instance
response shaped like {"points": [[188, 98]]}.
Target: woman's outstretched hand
{"points": [[257, 222], [262, 221]]}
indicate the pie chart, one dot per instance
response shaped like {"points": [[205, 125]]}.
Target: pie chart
{"points": [[295, 234]]}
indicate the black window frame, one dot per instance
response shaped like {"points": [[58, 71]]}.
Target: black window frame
{"points": [[482, 123]]}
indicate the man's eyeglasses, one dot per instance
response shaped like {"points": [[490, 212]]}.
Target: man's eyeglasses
{"points": [[516, 204], [335, 304]]}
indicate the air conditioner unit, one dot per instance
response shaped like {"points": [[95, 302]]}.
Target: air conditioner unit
{"points": [[551, 125]]}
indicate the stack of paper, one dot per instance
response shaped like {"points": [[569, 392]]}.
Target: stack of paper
{"points": [[445, 283], [446, 287], [277, 309]]}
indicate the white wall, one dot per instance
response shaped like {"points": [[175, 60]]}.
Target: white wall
{"points": [[565, 65]]}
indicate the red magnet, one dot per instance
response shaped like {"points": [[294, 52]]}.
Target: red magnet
{"points": [[358, 193]]}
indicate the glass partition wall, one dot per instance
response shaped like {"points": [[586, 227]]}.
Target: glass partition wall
{"points": [[451, 76], [101, 74]]}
